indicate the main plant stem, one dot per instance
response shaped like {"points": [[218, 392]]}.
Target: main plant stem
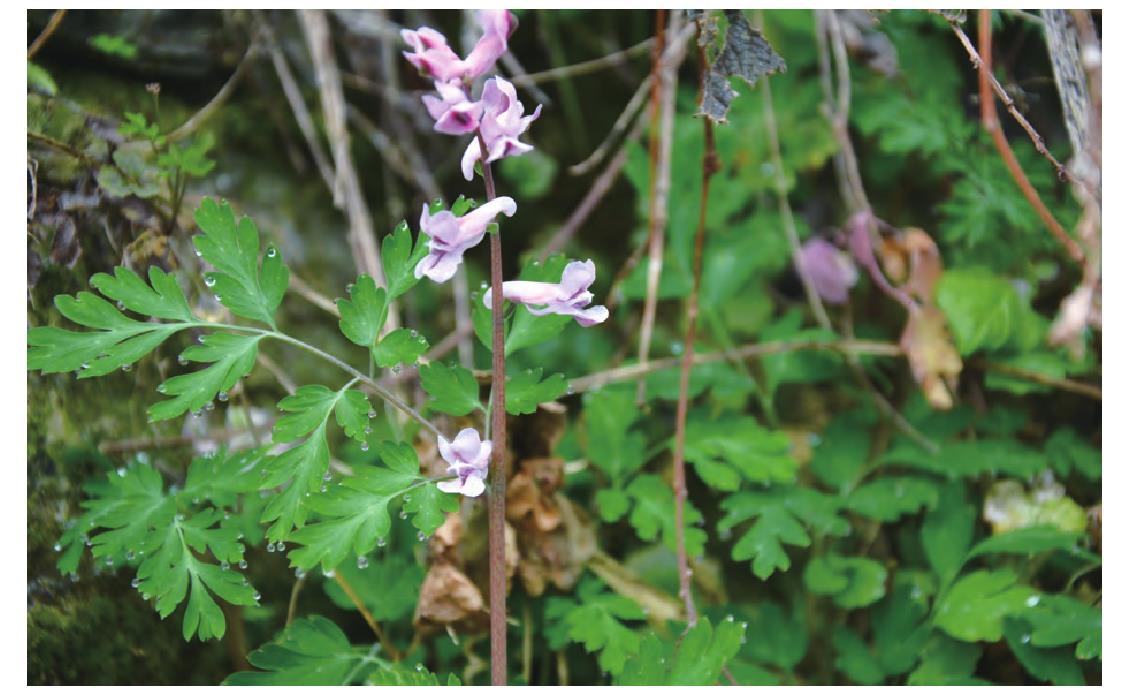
{"points": [[496, 483]]}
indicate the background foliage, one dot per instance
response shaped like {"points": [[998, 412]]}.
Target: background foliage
{"points": [[826, 547]]}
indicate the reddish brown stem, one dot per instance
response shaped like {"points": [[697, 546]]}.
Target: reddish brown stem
{"points": [[52, 26], [989, 121], [710, 165], [497, 582]]}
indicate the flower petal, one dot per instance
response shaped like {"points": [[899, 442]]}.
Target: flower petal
{"points": [[472, 487], [453, 486], [591, 316], [577, 277], [467, 444], [470, 158]]}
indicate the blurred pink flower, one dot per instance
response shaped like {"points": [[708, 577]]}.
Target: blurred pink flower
{"points": [[452, 110], [468, 458], [502, 124], [450, 236], [432, 56], [570, 297], [828, 269]]}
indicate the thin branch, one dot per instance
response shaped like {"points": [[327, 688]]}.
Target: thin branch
{"points": [[989, 121], [597, 380], [300, 287], [520, 77], [1038, 142], [278, 373], [1069, 385], [496, 495], [659, 173], [587, 205], [52, 26], [635, 105], [60, 146], [394, 654], [612, 59], [118, 446], [200, 117], [295, 591], [347, 190], [710, 165]]}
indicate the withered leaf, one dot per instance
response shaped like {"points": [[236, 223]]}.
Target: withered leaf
{"points": [[934, 361], [745, 54], [448, 597]]}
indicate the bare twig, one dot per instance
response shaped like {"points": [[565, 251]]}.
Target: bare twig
{"points": [[525, 80], [51, 27], [592, 382], [118, 446], [662, 106], [200, 117], [347, 190], [300, 287], [496, 492], [390, 649], [588, 204], [710, 165], [635, 105], [1069, 385], [1038, 142], [591, 66], [60, 146], [278, 373], [989, 121]]}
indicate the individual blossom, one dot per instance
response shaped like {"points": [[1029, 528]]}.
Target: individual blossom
{"points": [[432, 55], [450, 236], [451, 109], [502, 123], [569, 298], [468, 458], [829, 270]]}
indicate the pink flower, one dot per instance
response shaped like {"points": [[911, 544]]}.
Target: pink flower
{"points": [[828, 269], [452, 110], [431, 53], [468, 459], [502, 124], [450, 236], [569, 298]]}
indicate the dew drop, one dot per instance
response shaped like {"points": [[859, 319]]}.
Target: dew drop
{"points": [[209, 406], [125, 367], [422, 536], [371, 414], [146, 596], [209, 280], [329, 573], [223, 396], [257, 595], [270, 547], [242, 564], [162, 388], [368, 429], [218, 298], [299, 573], [263, 473], [85, 366], [198, 412], [120, 305], [135, 583], [180, 517], [198, 253], [362, 562], [225, 565], [1026, 638], [272, 252], [121, 472], [327, 476], [57, 547], [404, 515], [109, 561], [1033, 601], [365, 446], [324, 488], [349, 288], [281, 546], [380, 542], [130, 555], [74, 577]]}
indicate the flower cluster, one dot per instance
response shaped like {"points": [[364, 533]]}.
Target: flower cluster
{"points": [[498, 120]]}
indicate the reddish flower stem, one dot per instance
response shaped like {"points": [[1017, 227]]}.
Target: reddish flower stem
{"points": [[499, 465], [710, 165]]}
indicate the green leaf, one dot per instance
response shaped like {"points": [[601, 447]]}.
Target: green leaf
{"points": [[162, 299], [1056, 665], [781, 517], [523, 392], [970, 459], [389, 588], [353, 515], [420, 676], [613, 503], [855, 659], [653, 515], [887, 499], [699, 660], [399, 256], [221, 477], [900, 628], [363, 315], [595, 620], [840, 457], [41, 79], [452, 390], [114, 45], [852, 582], [785, 641], [250, 287], [984, 310], [304, 465], [727, 450], [310, 651], [231, 357], [1059, 620], [1027, 540], [946, 661], [948, 530], [972, 610], [402, 346], [1068, 452], [611, 441]]}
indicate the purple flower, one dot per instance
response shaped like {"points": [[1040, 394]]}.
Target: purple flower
{"points": [[450, 236], [502, 124], [431, 53], [452, 110], [828, 269], [568, 298], [468, 459]]}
